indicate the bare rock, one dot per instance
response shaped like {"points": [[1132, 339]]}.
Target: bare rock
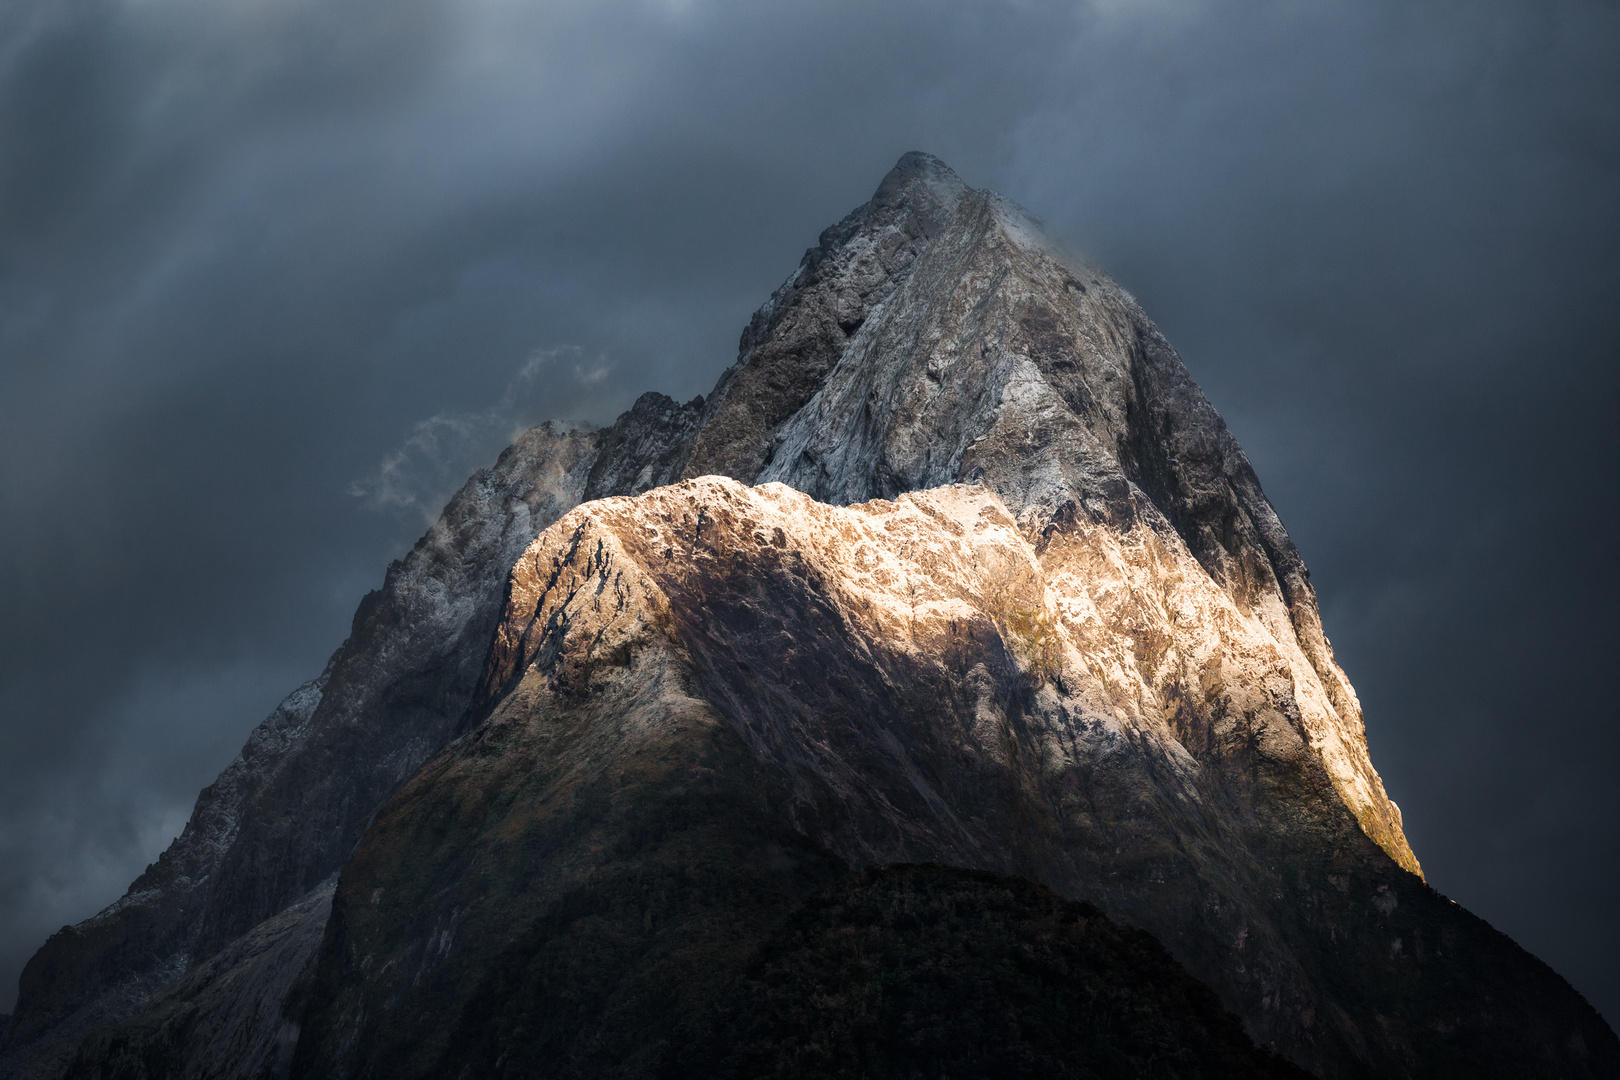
{"points": [[645, 448], [286, 813], [228, 1017], [686, 681], [804, 329]]}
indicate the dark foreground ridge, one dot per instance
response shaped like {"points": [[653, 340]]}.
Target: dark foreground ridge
{"points": [[898, 972], [956, 565], [928, 971]]}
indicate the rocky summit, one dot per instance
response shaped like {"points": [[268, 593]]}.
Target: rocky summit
{"points": [[939, 693]]}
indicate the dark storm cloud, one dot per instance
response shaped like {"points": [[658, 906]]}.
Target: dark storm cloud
{"points": [[258, 256]]}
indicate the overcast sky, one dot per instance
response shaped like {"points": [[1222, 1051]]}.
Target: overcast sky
{"points": [[275, 275]]}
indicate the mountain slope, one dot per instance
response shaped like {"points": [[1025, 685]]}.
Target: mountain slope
{"points": [[996, 357], [933, 337], [923, 970], [685, 681]]}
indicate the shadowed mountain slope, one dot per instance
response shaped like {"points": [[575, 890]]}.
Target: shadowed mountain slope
{"points": [[924, 970], [684, 681]]}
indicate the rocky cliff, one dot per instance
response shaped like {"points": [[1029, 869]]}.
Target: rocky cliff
{"points": [[689, 684], [1070, 641], [284, 816]]}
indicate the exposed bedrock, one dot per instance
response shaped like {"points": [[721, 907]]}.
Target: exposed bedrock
{"points": [[695, 681]]}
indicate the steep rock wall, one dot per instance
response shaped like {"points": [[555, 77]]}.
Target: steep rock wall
{"points": [[906, 681], [286, 813]]}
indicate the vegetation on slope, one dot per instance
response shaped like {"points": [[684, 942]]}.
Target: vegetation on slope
{"points": [[924, 971]]}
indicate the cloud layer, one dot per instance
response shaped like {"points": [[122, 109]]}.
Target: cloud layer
{"points": [[259, 256]]}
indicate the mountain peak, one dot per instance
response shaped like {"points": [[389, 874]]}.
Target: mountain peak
{"points": [[955, 565], [918, 171]]}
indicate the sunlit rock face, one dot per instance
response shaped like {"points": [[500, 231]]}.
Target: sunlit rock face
{"points": [[713, 668], [1070, 640], [988, 354]]}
